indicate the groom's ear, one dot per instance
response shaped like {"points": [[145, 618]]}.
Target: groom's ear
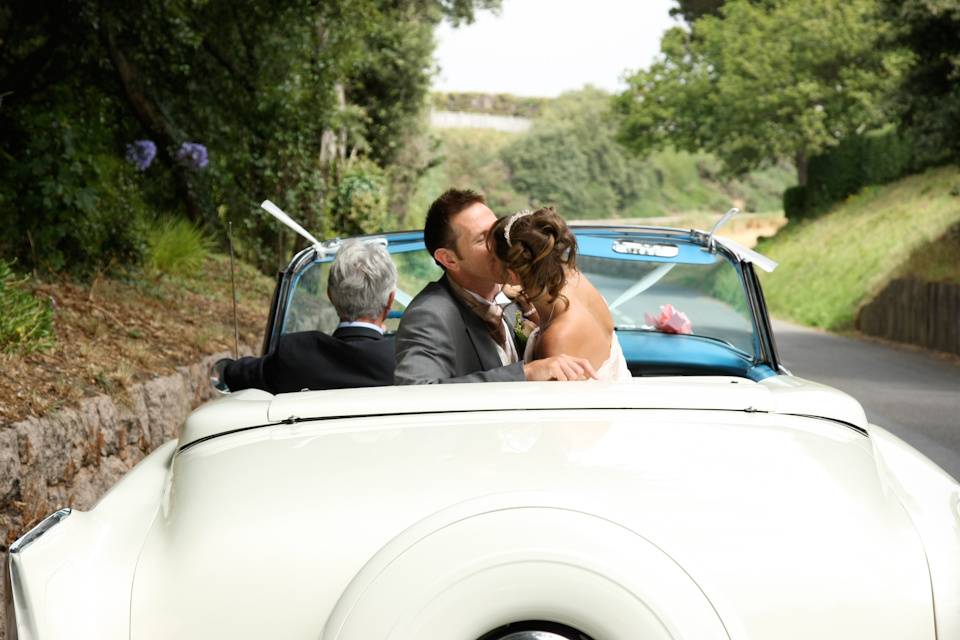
{"points": [[446, 258]]}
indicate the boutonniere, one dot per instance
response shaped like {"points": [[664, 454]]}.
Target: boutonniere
{"points": [[522, 328]]}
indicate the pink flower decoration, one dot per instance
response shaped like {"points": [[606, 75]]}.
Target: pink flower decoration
{"points": [[670, 320]]}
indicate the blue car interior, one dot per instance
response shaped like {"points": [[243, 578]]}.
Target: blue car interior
{"points": [[648, 353]]}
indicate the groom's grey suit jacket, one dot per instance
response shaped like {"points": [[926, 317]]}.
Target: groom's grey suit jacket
{"points": [[440, 340]]}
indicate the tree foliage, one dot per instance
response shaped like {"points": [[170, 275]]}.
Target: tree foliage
{"points": [[281, 93], [930, 93], [571, 157], [763, 81], [691, 10], [359, 202]]}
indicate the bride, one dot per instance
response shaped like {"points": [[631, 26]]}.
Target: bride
{"points": [[539, 252]]}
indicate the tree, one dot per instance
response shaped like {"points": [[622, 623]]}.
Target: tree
{"points": [[283, 93], [691, 10], [764, 81], [930, 93], [570, 158]]}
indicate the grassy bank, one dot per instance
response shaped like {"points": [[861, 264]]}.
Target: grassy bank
{"points": [[831, 265]]}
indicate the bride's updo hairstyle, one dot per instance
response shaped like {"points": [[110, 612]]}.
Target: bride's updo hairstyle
{"points": [[539, 247]]}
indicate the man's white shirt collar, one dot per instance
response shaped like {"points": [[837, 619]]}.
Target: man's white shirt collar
{"points": [[362, 325], [500, 299]]}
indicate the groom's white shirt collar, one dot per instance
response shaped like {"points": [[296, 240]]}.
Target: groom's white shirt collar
{"points": [[500, 299]]}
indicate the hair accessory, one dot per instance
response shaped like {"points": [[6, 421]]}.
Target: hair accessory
{"points": [[519, 214]]}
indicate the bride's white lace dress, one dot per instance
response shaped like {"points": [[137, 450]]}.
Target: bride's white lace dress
{"points": [[614, 368]]}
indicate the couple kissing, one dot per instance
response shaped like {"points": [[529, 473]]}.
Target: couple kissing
{"points": [[502, 275]]}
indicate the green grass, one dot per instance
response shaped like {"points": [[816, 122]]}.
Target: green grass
{"points": [[175, 247], [938, 261], [26, 323], [833, 264]]}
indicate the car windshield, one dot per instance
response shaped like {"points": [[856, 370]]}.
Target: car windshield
{"points": [[310, 309], [705, 287], [710, 297]]}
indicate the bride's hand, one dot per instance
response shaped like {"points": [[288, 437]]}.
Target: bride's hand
{"points": [[512, 291], [562, 367]]}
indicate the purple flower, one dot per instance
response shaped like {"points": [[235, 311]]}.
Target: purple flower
{"points": [[141, 153], [193, 154]]}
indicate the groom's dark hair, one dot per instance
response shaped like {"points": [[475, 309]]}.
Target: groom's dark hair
{"points": [[437, 230]]}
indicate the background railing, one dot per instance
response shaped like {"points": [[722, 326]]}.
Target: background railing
{"points": [[914, 311]]}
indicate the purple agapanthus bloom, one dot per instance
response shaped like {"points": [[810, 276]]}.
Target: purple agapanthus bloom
{"points": [[141, 153], [193, 154]]}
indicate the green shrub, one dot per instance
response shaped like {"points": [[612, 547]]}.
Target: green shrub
{"points": [[26, 323], [175, 246], [876, 157], [795, 202], [70, 201], [359, 202]]}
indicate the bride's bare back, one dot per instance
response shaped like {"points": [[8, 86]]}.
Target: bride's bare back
{"points": [[583, 329]]}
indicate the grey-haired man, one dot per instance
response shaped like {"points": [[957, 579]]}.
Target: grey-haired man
{"points": [[361, 286]]}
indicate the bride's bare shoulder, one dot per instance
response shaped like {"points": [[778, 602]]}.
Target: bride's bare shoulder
{"points": [[593, 302], [575, 333]]}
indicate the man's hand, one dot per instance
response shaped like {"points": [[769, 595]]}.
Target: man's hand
{"points": [[562, 367], [216, 374]]}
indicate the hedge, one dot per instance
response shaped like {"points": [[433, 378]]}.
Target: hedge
{"points": [[876, 157]]}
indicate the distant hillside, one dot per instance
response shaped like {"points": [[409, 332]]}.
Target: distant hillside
{"points": [[499, 104], [569, 157], [831, 265], [668, 182], [469, 120]]}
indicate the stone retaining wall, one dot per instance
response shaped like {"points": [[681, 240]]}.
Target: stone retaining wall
{"points": [[72, 457]]}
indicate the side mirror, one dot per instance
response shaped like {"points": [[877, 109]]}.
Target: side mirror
{"points": [[216, 375]]}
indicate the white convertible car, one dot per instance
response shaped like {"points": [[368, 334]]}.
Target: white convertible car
{"points": [[714, 496]]}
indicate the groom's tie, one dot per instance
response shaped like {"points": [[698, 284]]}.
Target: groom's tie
{"points": [[490, 312]]}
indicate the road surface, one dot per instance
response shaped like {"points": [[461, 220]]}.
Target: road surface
{"points": [[910, 393]]}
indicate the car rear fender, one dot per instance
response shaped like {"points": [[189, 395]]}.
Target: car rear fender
{"points": [[70, 577], [931, 498]]}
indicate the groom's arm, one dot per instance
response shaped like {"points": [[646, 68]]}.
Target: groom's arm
{"points": [[426, 353]]}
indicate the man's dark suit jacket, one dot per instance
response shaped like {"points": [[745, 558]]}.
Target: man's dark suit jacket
{"points": [[441, 340], [351, 357]]}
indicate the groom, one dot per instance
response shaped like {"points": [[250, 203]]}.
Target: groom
{"points": [[456, 330]]}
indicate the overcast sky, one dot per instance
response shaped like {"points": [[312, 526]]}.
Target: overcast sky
{"points": [[546, 47]]}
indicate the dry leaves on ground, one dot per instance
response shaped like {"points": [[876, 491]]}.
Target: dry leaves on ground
{"points": [[114, 333]]}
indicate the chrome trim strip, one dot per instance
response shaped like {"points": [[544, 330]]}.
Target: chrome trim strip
{"points": [[45, 525], [10, 611]]}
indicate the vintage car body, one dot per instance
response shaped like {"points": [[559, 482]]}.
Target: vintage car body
{"points": [[713, 496]]}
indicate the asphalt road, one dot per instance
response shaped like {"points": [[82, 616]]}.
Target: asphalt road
{"points": [[910, 393]]}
